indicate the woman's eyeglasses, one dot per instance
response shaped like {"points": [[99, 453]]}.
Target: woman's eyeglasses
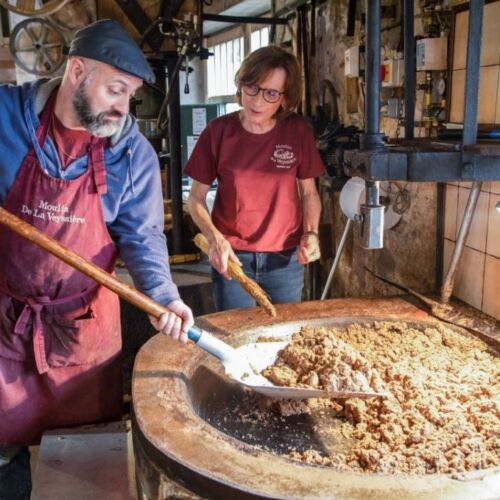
{"points": [[270, 95]]}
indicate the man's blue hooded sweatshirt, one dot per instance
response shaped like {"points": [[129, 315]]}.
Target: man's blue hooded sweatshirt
{"points": [[133, 204]]}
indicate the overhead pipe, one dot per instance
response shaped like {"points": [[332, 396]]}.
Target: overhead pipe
{"points": [[220, 18]]}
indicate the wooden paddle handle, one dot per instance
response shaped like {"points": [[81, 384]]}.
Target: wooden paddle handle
{"points": [[234, 270], [71, 258]]}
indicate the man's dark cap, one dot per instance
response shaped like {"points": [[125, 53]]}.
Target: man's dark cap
{"points": [[106, 41]]}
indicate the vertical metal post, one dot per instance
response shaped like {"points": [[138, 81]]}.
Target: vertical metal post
{"points": [[409, 55], [247, 39], [175, 167], [372, 100], [372, 229], [475, 33], [476, 8]]}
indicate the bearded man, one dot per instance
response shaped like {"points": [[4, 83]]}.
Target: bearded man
{"points": [[74, 164]]}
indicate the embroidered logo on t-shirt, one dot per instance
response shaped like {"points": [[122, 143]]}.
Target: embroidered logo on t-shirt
{"points": [[283, 156]]}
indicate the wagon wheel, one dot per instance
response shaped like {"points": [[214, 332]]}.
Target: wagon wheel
{"points": [[76, 14], [29, 8], [36, 46]]}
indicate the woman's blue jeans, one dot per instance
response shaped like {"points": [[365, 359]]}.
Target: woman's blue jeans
{"points": [[279, 273]]}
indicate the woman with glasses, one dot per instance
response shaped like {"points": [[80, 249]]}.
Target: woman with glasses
{"points": [[266, 210]]}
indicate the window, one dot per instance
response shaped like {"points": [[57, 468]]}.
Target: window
{"points": [[260, 38], [222, 66]]}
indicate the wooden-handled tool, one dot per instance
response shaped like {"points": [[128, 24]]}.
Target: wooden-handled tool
{"points": [[238, 363], [235, 271], [102, 277]]}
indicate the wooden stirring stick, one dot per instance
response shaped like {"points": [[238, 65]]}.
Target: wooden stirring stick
{"points": [[235, 271]]}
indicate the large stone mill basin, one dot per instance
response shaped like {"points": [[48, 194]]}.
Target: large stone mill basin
{"points": [[177, 389]]}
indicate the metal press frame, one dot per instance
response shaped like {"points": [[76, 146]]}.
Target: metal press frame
{"points": [[416, 160]]}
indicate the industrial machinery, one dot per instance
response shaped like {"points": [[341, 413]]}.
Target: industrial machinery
{"points": [[420, 160]]}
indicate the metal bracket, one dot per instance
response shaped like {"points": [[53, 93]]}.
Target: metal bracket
{"points": [[425, 161]]}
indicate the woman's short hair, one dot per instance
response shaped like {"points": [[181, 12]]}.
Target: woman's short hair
{"points": [[257, 66]]}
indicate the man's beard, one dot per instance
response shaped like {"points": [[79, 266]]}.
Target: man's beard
{"points": [[98, 125]]}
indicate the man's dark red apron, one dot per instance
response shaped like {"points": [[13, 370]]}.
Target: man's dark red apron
{"points": [[59, 333]]}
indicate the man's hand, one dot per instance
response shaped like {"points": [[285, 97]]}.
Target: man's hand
{"points": [[220, 253], [176, 323], [309, 248]]}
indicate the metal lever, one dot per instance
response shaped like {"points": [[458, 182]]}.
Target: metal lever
{"points": [[338, 254]]}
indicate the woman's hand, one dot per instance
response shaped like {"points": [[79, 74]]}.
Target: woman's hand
{"points": [[219, 255], [175, 323], [309, 248]]}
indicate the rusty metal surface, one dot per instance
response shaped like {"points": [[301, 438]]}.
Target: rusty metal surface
{"points": [[172, 384], [487, 328]]}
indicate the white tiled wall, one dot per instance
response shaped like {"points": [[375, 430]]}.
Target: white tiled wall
{"points": [[489, 78], [477, 281], [491, 302]]}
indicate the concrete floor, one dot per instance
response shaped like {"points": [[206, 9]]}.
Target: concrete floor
{"points": [[83, 463]]}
